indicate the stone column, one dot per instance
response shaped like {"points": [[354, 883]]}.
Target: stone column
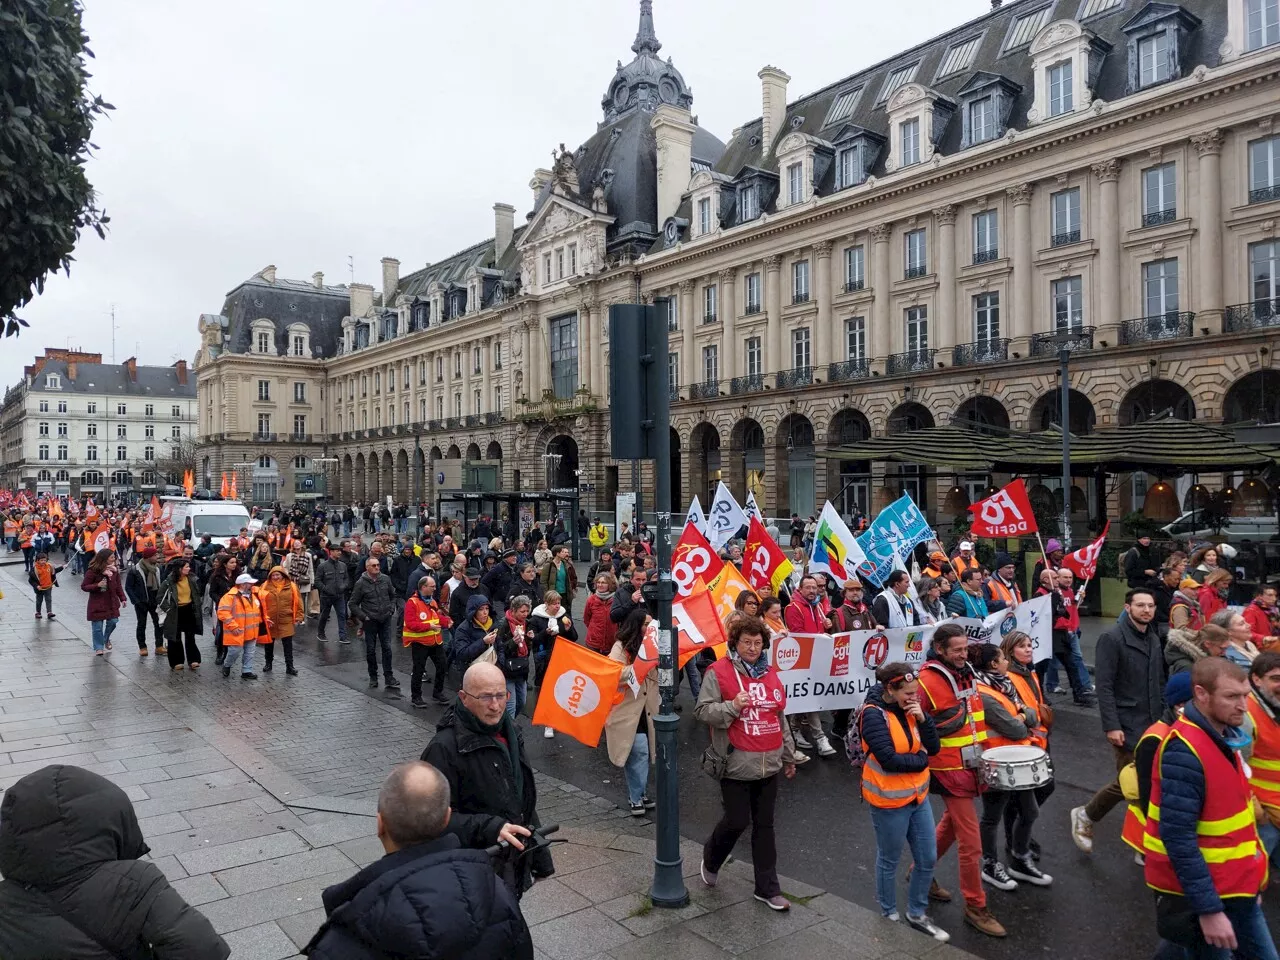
{"points": [[1023, 268], [586, 332], [599, 376], [774, 359], [1107, 314], [689, 372], [946, 253], [886, 336], [824, 350], [1209, 305], [728, 280], [526, 358], [486, 376]]}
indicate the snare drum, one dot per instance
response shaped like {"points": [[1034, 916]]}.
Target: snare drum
{"points": [[1017, 767]]}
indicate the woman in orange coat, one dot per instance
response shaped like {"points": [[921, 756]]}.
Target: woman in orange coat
{"points": [[283, 606]]}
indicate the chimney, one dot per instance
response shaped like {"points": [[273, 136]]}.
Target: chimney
{"points": [[504, 227], [390, 279], [995, 4], [774, 95], [673, 130], [268, 273], [541, 177], [181, 368], [71, 370], [318, 279], [132, 366], [361, 300]]}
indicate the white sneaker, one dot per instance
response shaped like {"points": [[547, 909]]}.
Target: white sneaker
{"points": [[825, 749], [548, 733], [1082, 829], [928, 927], [801, 742]]}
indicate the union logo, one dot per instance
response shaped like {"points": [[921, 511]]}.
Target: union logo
{"points": [[875, 651]]}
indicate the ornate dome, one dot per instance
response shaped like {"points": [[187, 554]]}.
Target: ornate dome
{"points": [[646, 82]]}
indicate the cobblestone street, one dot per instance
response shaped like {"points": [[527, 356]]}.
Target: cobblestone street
{"points": [[254, 797]]}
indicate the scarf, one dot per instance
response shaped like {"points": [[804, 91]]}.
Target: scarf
{"points": [[505, 728], [150, 575], [1000, 683], [517, 634], [754, 670], [1273, 614], [605, 597], [486, 624]]}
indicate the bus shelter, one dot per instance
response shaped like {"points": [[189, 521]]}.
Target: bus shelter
{"points": [[528, 506]]}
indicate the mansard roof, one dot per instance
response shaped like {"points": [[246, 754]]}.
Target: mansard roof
{"points": [[285, 303]]}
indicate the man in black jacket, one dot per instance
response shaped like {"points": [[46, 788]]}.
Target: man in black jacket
{"points": [[460, 594], [496, 584], [427, 884], [401, 567], [480, 750], [375, 604], [1129, 677], [1140, 563], [334, 583], [628, 596], [71, 838]]}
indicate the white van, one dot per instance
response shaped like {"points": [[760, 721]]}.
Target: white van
{"points": [[221, 519], [1192, 526]]}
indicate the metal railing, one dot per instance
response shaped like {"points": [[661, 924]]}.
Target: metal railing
{"points": [[911, 361], [491, 418], [472, 420], [986, 256], [919, 270], [453, 423], [800, 296], [1157, 217], [1263, 194], [795, 377], [851, 286], [1062, 239], [1161, 326], [751, 383], [260, 437], [848, 370], [1251, 316], [709, 318], [707, 390], [980, 351], [673, 392], [1046, 344], [751, 310]]}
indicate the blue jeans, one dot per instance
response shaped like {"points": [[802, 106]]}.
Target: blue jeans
{"points": [[346, 528], [102, 630], [243, 654], [1270, 838], [1077, 661], [912, 824], [637, 768], [401, 524], [339, 606], [694, 673], [377, 633], [1253, 939], [517, 691]]}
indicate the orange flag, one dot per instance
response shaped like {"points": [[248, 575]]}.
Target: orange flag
{"points": [[725, 589], [225, 492], [698, 626], [576, 694], [101, 537], [188, 482], [234, 494], [765, 563], [91, 510]]}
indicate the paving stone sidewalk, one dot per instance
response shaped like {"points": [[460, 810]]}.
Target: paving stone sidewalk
{"points": [[255, 797]]}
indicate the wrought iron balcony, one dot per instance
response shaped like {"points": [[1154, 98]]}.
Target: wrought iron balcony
{"points": [[986, 256], [453, 423], [472, 420], [492, 418], [853, 285], [751, 383], [912, 361], [497, 365], [1161, 326], [434, 425], [1062, 239], [709, 317], [402, 429], [919, 270], [848, 370], [752, 309], [707, 390], [300, 437], [1263, 194], [980, 351], [673, 392], [1251, 316], [1157, 217], [795, 377], [261, 437], [1047, 345], [800, 296]]}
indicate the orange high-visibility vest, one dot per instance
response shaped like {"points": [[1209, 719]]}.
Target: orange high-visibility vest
{"points": [[941, 693], [890, 791], [1135, 817], [1264, 763], [1226, 831], [961, 565], [1001, 592], [241, 617], [1033, 696], [144, 541], [994, 739]]}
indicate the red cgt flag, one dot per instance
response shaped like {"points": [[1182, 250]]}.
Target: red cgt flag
{"points": [[764, 562], [693, 559], [1006, 513], [1084, 562], [698, 626]]}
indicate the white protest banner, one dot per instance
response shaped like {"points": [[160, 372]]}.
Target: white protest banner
{"points": [[834, 671], [725, 518], [1033, 617]]}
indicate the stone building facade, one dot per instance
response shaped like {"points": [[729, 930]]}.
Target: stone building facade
{"points": [[910, 246]]}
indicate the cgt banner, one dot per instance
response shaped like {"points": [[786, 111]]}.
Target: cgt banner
{"points": [[834, 671]]}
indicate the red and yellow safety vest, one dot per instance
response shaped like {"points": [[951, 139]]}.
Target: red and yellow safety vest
{"points": [[1226, 831], [1135, 818], [423, 622], [1264, 763], [943, 695], [889, 791]]}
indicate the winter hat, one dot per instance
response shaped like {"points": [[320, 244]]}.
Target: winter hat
{"points": [[1178, 689], [1002, 560], [1053, 545]]}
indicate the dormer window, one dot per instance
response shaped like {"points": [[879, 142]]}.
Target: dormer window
{"points": [[704, 215], [1091, 8], [299, 340], [843, 106], [1158, 37], [1065, 61], [848, 169], [987, 101], [1262, 23], [264, 343], [958, 58], [796, 159], [856, 151], [264, 336], [982, 120], [795, 183], [1025, 28], [897, 79], [1061, 90], [910, 132], [918, 116], [53, 382], [748, 203]]}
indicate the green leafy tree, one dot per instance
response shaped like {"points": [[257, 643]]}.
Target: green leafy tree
{"points": [[46, 118]]}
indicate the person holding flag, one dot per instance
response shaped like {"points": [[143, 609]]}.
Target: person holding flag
{"points": [[629, 731]]}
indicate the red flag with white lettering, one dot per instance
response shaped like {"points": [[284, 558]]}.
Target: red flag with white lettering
{"points": [[1006, 513], [696, 621], [693, 559], [1084, 562], [763, 561]]}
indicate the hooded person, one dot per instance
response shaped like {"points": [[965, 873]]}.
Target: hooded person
{"points": [[74, 885], [476, 634], [282, 604], [402, 568]]}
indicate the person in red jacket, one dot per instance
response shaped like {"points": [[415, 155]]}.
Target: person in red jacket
{"points": [[1213, 593], [806, 614], [1263, 617], [601, 630], [424, 626]]}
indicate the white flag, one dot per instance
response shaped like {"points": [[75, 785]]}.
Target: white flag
{"points": [[696, 516], [835, 549], [752, 509], [725, 518]]}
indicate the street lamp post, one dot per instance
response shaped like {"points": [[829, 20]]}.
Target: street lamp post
{"points": [[1064, 340]]}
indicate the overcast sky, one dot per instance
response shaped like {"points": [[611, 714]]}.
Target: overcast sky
{"points": [[304, 132]]}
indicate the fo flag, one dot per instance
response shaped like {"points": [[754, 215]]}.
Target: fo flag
{"points": [[1006, 513], [692, 560], [1084, 562], [763, 560], [576, 693]]}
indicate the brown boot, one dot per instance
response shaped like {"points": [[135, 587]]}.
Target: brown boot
{"points": [[982, 921], [938, 893]]}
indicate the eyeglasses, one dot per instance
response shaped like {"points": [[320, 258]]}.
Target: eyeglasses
{"points": [[490, 698], [751, 642]]}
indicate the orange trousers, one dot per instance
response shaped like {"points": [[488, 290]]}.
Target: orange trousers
{"points": [[959, 825]]}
